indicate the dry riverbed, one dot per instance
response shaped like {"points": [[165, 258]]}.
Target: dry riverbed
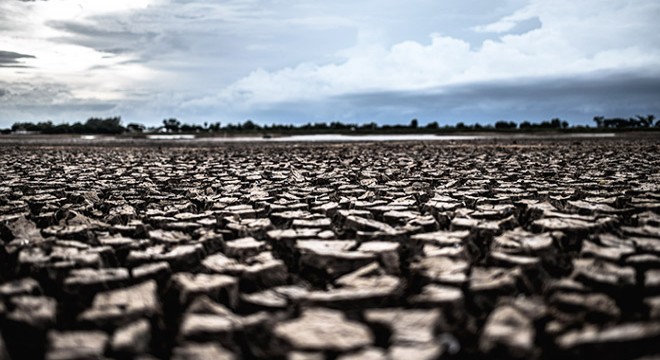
{"points": [[535, 250]]}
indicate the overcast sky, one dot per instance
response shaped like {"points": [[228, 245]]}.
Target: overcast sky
{"points": [[294, 61]]}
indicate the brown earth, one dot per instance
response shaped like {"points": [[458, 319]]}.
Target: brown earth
{"points": [[492, 249]]}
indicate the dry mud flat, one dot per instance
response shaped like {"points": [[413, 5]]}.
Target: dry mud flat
{"points": [[343, 251]]}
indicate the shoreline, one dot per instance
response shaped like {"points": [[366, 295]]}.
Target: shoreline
{"points": [[312, 138]]}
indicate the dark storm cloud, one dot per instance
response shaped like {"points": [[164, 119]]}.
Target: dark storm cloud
{"points": [[103, 36], [21, 101], [21, 93], [35, 103], [12, 59], [576, 99], [50, 110], [196, 36], [533, 90]]}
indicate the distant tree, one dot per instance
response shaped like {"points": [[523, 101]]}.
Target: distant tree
{"points": [[26, 126], [248, 125], [646, 121], [505, 125], [135, 128], [433, 125], [172, 125], [23, 126], [215, 127], [336, 125], [461, 126], [599, 121], [65, 128], [525, 125], [564, 124], [555, 123], [634, 122], [77, 128], [111, 125], [619, 123], [413, 124], [369, 126]]}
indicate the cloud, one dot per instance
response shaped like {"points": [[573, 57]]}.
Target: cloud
{"points": [[204, 60], [103, 37], [568, 44], [508, 23], [25, 93], [511, 26], [21, 101], [577, 98], [12, 59]]}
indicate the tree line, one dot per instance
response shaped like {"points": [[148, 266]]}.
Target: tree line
{"points": [[113, 126], [636, 122]]}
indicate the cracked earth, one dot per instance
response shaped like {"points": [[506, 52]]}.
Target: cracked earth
{"points": [[535, 250]]}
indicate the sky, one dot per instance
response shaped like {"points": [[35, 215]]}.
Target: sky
{"points": [[299, 61]]}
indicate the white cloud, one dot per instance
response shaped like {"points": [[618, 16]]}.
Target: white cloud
{"points": [[90, 73], [575, 38]]}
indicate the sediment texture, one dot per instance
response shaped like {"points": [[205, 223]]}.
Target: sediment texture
{"points": [[536, 250]]}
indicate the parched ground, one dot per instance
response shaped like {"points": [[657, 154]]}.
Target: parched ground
{"points": [[473, 250]]}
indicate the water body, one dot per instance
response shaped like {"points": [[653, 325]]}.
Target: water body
{"points": [[343, 138], [338, 138], [171, 137], [410, 137]]}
